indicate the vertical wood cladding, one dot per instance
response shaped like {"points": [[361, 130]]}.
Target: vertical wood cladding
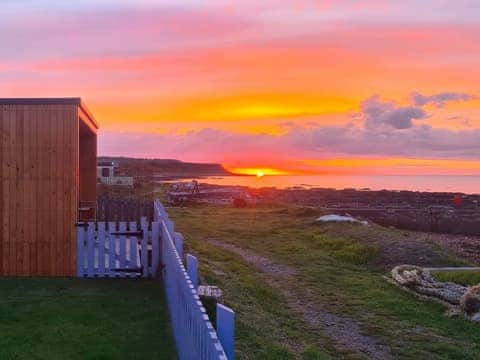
{"points": [[39, 182]]}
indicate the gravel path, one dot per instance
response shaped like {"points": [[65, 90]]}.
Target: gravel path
{"points": [[344, 332]]}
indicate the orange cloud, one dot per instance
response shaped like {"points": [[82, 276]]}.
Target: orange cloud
{"points": [[396, 166]]}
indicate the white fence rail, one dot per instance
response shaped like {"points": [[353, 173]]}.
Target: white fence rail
{"points": [[128, 249], [194, 334], [118, 249]]}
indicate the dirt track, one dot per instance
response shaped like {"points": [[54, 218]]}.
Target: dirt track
{"points": [[344, 332]]}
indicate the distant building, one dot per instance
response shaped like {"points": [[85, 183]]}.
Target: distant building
{"points": [[106, 174]]}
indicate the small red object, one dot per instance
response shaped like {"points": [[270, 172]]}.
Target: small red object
{"points": [[457, 200]]}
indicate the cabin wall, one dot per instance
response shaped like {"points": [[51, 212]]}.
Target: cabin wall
{"points": [[88, 170], [39, 161]]}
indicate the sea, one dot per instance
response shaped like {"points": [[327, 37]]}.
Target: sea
{"points": [[428, 183]]}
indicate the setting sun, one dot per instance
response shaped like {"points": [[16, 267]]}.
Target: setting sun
{"points": [[258, 172]]}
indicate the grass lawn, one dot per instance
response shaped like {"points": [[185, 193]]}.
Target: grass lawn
{"points": [[83, 319], [465, 278], [339, 268]]}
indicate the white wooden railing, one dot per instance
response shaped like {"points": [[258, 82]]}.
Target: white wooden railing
{"points": [[195, 336], [118, 249]]}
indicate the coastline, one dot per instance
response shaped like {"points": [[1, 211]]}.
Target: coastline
{"points": [[439, 212]]}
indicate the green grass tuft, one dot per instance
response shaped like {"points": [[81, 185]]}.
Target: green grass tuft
{"points": [[465, 278]]}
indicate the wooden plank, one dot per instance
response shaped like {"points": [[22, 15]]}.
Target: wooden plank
{"points": [[226, 329], [133, 253], [20, 195], [143, 221], [123, 247], [39, 244], [178, 241], [62, 206], [42, 192], [28, 189], [35, 225], [155, 249], [144, 251], [2, 149], [192, 269], [5, 191], [101, 249], [13, 203], [91, 249], [81, 234], [71, 178], [7, 154], [1, 189], [56, 169], [112, 248]]}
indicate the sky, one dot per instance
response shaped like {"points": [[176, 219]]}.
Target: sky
{"points": [[297, 87]]}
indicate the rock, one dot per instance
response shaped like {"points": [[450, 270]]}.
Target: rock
{"points": [[339, 218], [454, 312], [422, 282], [476, 318], [464, 300], [408, 275], [209, 291], [470, 301]]}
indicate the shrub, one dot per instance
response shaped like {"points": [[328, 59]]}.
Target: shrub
{"points": [[355, 253]]}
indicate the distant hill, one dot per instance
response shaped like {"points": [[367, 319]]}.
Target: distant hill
{"points": [[164, 168]]}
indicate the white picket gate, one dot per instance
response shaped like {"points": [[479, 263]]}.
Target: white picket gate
{"points": [[118, 249]]}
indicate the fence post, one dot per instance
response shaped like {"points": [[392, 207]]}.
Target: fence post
{"points": [[226, 329], [122, 228], [178, 239], [155, 248], [101, 249], [91, 249], [112, 248], [170, 226], [133, 248], [144, 251], [192, 269], [143, 222], [80, 250]]}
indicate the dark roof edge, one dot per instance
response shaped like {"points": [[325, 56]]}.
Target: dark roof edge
{"points": [[41, 101], [51, 101]]}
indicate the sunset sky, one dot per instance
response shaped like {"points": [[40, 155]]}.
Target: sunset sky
{"points": [[347, 86]]}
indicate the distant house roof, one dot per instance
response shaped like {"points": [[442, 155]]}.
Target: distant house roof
{"points": [[106, 163], [51, 101]]}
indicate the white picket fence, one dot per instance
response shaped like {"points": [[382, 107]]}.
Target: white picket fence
{"points": [[118, 249], [126, 249], [195, 336]]}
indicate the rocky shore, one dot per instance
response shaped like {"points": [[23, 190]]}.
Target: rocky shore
{"points": [[451, 213]]}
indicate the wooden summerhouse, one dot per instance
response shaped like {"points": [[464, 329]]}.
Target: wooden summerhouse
{"points": [[47, 183]]}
